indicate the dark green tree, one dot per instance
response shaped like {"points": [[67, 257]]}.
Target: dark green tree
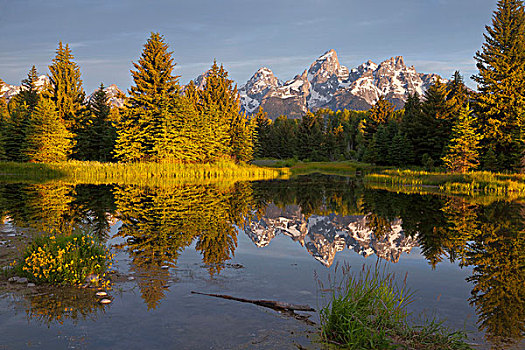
{"points": [[97, 134], [29, 93], [500, 103]]}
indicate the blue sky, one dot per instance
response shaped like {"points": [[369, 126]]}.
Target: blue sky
{"points": [[285, 35]]}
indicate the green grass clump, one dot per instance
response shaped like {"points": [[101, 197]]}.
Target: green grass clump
{"points": [[369, 311], [64, 259]]}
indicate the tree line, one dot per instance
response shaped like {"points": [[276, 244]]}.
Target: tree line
{"points": [[160, 122], [448, 126]]}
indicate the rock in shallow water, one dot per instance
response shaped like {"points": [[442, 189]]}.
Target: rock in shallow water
{"points": [[101, 294], [22, 280], [13, 279], [105, 301], [30, 285]]}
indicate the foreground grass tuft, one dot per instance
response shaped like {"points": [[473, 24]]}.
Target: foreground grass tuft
{"points": [[64, 260], [369, 311]]}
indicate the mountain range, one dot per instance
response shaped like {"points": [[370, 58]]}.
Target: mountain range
{"points": [[324, 236], [325, 84], [328, 84]]}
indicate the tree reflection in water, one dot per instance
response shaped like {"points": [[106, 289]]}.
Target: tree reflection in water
{"points": [[158, 223]]}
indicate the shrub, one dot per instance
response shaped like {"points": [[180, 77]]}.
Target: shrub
{"points": [[65, 260]]}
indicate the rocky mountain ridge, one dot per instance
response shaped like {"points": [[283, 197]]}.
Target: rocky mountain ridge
{"points": [[116, 97], [324, 236], [328, 84]]}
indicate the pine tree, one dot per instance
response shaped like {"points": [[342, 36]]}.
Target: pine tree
{"points": [[97, 134], [262, 133], [500, 103], [311, 132], [462, 150], [4, 117], [232, 134], [48, 139], [29, 94], [65, 88], [15, 130], [435, 125], [150, 116], [379, 114]]}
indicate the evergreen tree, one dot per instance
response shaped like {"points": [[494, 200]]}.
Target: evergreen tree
{"points": [[500, 103], [262, 132], [4, 117], [233, 132], [379, 114], [462, 150], [48, 139], [311, 132], [97, 134], [15, 130], [400, 152], [434, 127], [152, 117], [458, 94], [65, 87], [29, 94]]}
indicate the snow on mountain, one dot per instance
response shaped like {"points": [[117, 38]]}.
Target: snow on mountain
{"points": [[116, 97], [256, 88], [8, 91], [328, 84], [324, 236]]}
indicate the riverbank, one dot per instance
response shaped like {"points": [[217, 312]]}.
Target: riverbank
{"points": [[78, 172]]}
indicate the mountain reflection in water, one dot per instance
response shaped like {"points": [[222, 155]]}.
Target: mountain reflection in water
{"points": [[322, 213]]}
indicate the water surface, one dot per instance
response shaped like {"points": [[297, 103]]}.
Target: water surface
{"points": [[463, 258]]}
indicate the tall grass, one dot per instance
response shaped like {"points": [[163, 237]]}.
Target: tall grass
{"points": [[368, 310], [136, 173], [456, 183]]}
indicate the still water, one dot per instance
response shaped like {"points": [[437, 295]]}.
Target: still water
{"points": [[462, 257]]}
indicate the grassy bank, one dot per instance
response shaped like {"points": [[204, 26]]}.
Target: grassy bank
{"points": [[135, 173], [369, 311], [467, 183], [345, 168]]}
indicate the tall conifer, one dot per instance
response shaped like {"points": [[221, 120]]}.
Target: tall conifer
{"points": [[462, 150], [97, 134], [65, 87], [29, 93], [500, 103], [150, 116]]}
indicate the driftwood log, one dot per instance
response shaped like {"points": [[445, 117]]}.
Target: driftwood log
{"points": [[276, 305]]}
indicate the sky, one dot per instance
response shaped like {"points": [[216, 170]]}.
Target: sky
{"points": [[436, 36]]}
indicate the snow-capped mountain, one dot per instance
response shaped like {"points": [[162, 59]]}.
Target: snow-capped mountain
{"points": [[116, 97], [328, 84], [324, 236], [8, 91]]}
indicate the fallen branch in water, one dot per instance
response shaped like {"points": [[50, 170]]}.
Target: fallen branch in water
{"points": [[276, 305]]}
